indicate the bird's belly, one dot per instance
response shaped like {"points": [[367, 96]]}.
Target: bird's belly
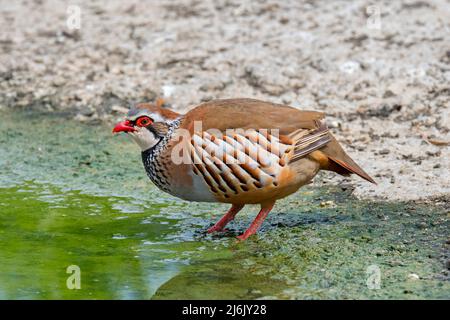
{"points": [[196, 190]]}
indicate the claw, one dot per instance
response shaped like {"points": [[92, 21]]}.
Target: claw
{"points": [[242, 237], [256, 224], [214, 228], [225, 219]]}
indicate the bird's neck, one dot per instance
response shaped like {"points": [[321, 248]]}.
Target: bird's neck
{"points": [[151, 156]]}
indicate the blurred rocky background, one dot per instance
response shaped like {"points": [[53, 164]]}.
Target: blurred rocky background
{"points": [[380, 70]]}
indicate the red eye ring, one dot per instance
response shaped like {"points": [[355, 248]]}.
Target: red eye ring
{"points": [[143, 121]]}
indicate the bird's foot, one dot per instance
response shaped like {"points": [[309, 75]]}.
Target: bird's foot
{"points": [[225, 219], [256, 224], [216, 228], [243, 236]]}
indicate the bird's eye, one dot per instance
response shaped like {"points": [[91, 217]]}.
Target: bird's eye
{"points": [[143, 121]]}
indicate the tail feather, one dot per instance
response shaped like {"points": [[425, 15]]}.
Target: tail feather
{"points": [[340, 162]]}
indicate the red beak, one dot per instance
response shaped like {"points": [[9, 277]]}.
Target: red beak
{"points": [[124, 126]]}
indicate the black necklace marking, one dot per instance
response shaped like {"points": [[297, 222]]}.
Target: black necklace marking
{"points": [[152, 162]]}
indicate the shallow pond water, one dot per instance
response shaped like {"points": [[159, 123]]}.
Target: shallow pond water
{"points": [[72, 194]]}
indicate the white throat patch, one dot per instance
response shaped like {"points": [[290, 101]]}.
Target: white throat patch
{"points": [[144, 138]]}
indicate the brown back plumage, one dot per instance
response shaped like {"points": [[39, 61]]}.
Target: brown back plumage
{"points": [[250, 114]]}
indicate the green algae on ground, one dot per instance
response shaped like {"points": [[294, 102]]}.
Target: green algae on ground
{"points": [[71, 194]]}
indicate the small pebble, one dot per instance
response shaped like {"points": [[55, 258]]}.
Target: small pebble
{"points": [[329, 203], [119, 109], [422, 225], [413, 276]]}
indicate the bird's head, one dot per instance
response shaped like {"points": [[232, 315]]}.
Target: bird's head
{"points": [[147, 124]]}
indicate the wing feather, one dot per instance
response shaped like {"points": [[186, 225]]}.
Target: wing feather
{"points": [[307, 141]]}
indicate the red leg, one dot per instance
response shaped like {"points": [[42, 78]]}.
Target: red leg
{"points": [[226, 218], [257, 222]]}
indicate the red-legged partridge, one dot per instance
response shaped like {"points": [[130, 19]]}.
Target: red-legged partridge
{"points": [[237, 151]]}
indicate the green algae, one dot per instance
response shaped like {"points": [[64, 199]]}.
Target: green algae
{"points": [[72, 194]]}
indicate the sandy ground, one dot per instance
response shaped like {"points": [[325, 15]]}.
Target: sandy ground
{"points": [[381, 72]]}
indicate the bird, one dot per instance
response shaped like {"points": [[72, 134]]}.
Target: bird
{"points": [[236, 151]]}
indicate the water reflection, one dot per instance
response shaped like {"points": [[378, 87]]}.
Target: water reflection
{"points": [[39, 241]]}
